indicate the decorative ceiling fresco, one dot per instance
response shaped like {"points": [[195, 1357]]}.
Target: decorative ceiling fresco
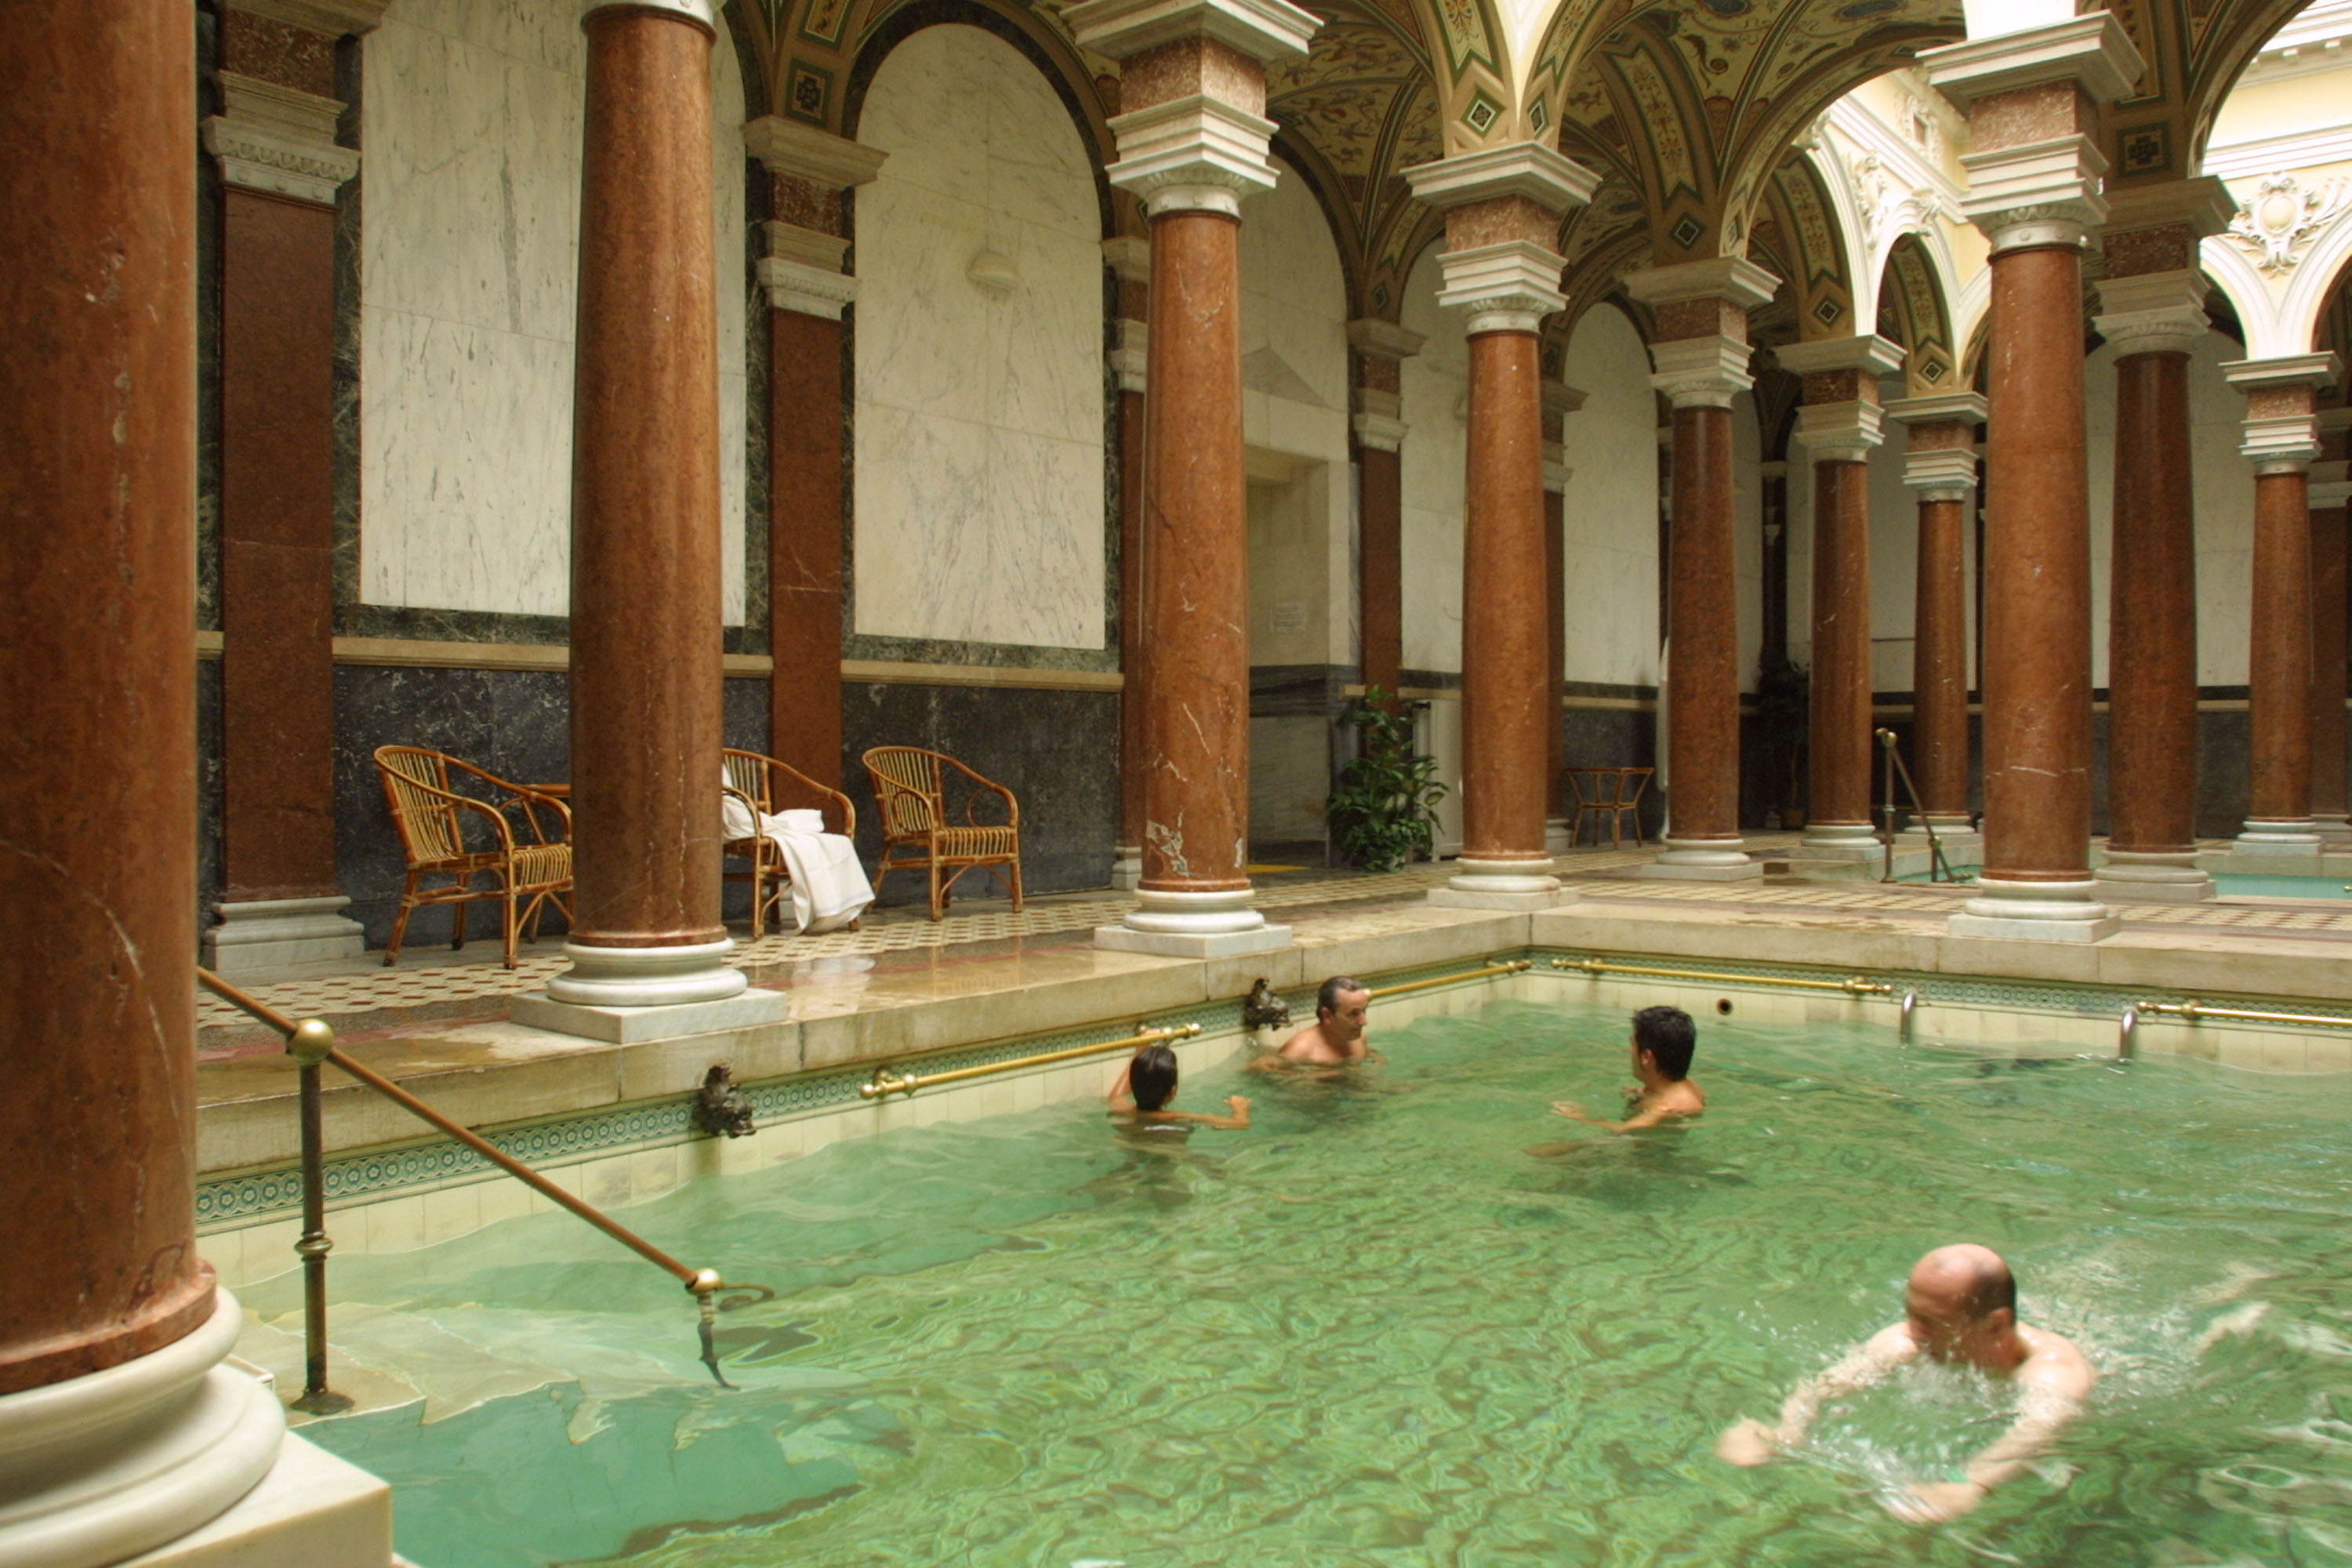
{"points": [[1689, 110], [1912, 312]]}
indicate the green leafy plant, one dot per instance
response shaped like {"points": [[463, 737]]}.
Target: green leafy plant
{"points": [[1383, 812]]}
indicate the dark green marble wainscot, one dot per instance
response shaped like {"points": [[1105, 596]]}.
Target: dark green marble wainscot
{"points": [[1057, 751], [515, 723]]}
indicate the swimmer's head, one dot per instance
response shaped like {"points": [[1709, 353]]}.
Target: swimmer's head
{"points": [[1152, 1077], [1340, 1006], [1667, 1036], [1961, 1303]]}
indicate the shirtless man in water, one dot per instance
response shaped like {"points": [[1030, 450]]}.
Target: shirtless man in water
{"points": [[1664, 1039], [1336, 1038], [1960, 1311]]}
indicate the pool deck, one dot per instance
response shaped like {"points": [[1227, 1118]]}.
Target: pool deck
{"points": [[904, 984]]}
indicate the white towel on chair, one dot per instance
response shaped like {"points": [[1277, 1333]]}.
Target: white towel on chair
{"points": [[829, 886]]}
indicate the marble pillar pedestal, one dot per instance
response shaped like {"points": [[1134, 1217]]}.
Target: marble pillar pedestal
{"points": [[1500, 885], [2153, 876], [1183, 923], [2035, 911], [266, 933], [624, 994], [1701, 860]]}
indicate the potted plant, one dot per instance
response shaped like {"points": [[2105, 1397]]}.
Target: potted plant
{"points": [[1382, 811]]}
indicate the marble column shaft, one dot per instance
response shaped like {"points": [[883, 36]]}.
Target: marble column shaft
{"points": [[1939, 683], [2330, 571], [2279, 664], [98, 379], [1841, 748], [646, 584], [1703, 657], [2152, 620], [806, 482], [1195, 712], [1504, 605]]}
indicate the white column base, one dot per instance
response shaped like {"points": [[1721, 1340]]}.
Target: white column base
{"points": [[1841, 841], [1499, 885], [1558, 836], [1192, 925], [2335, 831], [2278, 847], [2164, 877], [313, 1510], [1127, 867], [269, 933], [1701, 861], [97, 1469], [2035, 911], [624, 994]]}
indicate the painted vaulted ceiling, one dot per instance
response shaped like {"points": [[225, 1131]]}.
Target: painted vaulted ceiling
{"points": [[1691, 111]]}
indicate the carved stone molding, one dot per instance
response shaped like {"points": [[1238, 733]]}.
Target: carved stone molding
{"points": [[2278, 221], [279, 140], [806, 290]]}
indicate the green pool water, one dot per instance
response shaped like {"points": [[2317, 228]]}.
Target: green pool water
{"points": [[1377, 1330], [2229, 883]]}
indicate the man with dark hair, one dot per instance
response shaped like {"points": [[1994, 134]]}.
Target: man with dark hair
{"points": [[1336, 1037], [1664, 1039], [1959, 1309], [1141, 1096]]}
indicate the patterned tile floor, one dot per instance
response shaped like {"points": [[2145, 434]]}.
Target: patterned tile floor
{"points": [[433, 985]]}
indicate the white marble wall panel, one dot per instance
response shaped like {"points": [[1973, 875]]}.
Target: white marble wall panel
{"points": [[1434, 388], [1609, 517], [468, 279], [1295, 420], [2223, 485], [979, 428]]}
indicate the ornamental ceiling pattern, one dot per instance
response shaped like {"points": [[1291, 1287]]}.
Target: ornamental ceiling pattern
{"points": [[1687, 109]]}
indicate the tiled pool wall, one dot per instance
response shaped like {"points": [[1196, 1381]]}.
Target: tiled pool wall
{"points": [[405, 1196]]}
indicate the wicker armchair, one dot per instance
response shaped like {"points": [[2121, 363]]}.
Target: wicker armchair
{"points": [[766, 785], [528, 855], [909, 783]]}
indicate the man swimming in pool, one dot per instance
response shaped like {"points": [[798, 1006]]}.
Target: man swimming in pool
{"points": [[1960, 1310], [1663, 1040], [1141, 1097], [1336, 1038]]}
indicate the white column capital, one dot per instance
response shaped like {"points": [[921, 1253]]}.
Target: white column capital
{"points": [[703, 13], [1943, 473], [2281, 433], [1507, 286], [1939, 408], [2091, 50], [2037, 192], [804, 290], [1131, 359], [2152, 312], [1265, 30], [1734, 280], [1839, 432], [1864, 351], [1701, 373], [803, 152], [279, 140], [1540, 174], [1560, 398], [1379, 432], [1370, 335], [1129, 257], [1556, 472], [1194, 154]]}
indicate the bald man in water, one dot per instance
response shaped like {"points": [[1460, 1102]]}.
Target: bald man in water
{"points": [[1960, 1310]]}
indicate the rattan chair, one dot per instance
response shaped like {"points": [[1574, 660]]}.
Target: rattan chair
{"points": [[527, 856], [765, 786], [1610, 794], [910, 786]]}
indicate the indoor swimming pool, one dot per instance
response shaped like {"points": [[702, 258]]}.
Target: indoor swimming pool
{"points": [[1414, 1319]]}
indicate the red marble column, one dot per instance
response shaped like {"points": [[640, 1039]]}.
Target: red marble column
{"points": [[2281, 441], [2152, 632], [1940, 467], [1381, 565], [1701, 360], [645, 584], [98, 377], [2329, 631], [2036, 165]]}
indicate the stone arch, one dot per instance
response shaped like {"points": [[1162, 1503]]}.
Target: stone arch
{"points": [[1912, 312]]}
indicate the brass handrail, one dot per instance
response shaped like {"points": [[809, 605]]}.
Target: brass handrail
{"points": [[2193, 1010], [1936, 860], [1853, 985], [885, 1083], [310, 1043], [1514, 967]]}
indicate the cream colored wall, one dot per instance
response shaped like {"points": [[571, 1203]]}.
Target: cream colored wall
{"points": [[2224, 503], [1294, 422], [468, 283], [1434, 388], [1609, 516], [1894, 565], [979, 416]]}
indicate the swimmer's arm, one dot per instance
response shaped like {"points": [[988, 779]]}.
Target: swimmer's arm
{"points": [[1651, 1117], [1752, 1441], [1120, 1099], [2042, 1413], [1237, 1123]]}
